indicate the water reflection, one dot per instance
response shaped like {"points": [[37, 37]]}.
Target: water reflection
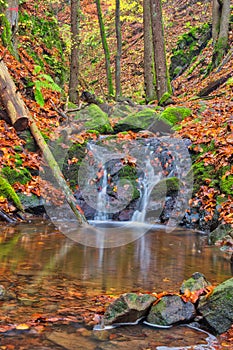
{"points": [[156, 261]]}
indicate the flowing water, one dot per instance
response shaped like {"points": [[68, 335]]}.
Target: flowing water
{"points": [[39, 266]]}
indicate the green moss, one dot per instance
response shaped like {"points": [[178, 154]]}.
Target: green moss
{"points": [[6, 35], [188, 47], [166, 187], [46, 30], [141, 120], [21, 175], [201, 173], [8, 192], [226, 185], [130, 173], [175, 114], [71, 171], [165, 99], [95, 119]]}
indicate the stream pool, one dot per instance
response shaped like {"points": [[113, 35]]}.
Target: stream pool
{"points": [[46, 273]]}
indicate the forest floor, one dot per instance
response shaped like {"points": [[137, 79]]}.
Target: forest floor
{"points": [[210, 128]]}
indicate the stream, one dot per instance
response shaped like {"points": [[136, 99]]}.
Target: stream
{"points": [[47, 273]]}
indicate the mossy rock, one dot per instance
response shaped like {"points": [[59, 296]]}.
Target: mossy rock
{"points": [[130, 173], [30, 202], [70, 171], [226, 185], [21, 175], [146, 119], [175, 114], [121, 110], [7, 191], [220, 233], [94, 119], [166, 187], [30, 143], [196, 282]]}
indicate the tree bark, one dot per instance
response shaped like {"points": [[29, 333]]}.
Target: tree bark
{"points": [[149, 69], [220, 29], [106, 49], [119, 50], [12, 100], [74, 57], [162, 76], [16, 104]]}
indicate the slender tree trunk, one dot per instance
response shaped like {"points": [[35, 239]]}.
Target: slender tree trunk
{"points": [[162, 77], [119, 50], [9, 22], [220, 29], [149, 69], [74, 57], [105, 48]]}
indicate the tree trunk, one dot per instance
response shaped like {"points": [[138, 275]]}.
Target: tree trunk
{"points": [[162, 77], [74, 57], [12, 14], [149, 69], [220, 29], [16, 107], [106, 49], [119, 50]]}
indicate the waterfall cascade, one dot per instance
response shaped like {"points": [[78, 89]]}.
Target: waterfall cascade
{"points": [[128, 181]]}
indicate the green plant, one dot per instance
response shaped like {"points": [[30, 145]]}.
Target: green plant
{"points": [[43, 81]]}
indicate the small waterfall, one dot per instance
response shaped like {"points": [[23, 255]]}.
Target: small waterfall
{"points": [[147, 184], [102, 200]]}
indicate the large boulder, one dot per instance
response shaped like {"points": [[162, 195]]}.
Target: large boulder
{"points": [[171, 309], [94, 118], [146, 119], [217, 309], [128, 308]]}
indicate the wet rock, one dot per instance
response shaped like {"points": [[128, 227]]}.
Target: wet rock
{"points": [[171, 309], [128, 308], [195, 282], [217, 309], [220, 232]]}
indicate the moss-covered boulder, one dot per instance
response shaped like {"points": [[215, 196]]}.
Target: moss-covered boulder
{"points": [[217, 308], [169, 310], [175, 114], [93, 118], [128, 308], [145, 119], [7, 191]]}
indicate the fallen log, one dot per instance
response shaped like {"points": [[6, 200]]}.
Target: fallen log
{"points": [[213, 85], [18, 112], [11, 100]]}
